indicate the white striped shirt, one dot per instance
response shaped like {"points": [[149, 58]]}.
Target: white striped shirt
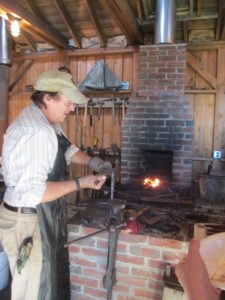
{"points": [[29, 151]]}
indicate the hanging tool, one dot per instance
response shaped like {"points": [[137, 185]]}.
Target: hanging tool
{"points": [[91, 104], [77, 118], [118, 105], [95, 146], [85, 113], [113, 112], [91, 111]]}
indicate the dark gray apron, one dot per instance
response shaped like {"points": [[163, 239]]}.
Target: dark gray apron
{"points": [[52, 222]]}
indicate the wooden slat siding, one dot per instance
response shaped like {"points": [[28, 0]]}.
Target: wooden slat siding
{"points": [[219, 132], [127, 70], [198, 66]]}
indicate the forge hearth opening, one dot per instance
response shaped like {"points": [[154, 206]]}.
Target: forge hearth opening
{"points": [[157, 163]]}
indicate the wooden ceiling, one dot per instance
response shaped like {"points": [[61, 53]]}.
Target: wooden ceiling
{"points": [[58, 21]]}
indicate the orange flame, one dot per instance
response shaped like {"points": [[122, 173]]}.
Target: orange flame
{"points": [[151, 182]]}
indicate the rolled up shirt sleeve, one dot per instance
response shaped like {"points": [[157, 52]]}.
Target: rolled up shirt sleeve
{"points": [[70, 152]]}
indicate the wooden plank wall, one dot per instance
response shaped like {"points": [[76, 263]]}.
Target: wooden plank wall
{"points": [[207, 136], [106, 130], [207, 104]]}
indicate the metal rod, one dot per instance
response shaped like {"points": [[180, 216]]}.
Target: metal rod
{"points": [[84, 237]]}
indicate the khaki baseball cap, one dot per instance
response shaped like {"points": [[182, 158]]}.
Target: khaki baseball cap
{"points": [[58, 81]]}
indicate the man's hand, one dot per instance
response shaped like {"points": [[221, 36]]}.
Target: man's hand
{"points": [[92, 181], [193, 276], [100, 166]]}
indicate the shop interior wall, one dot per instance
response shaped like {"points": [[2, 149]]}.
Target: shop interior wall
{"points": [[207, 103]]}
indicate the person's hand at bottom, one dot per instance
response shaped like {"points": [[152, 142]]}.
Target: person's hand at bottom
{"points": [[193, 276]]}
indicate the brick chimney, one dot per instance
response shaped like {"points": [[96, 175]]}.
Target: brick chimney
{"points": [[159, 119]]}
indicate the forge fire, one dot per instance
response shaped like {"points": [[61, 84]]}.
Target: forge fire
{"points": [[149, 182]]}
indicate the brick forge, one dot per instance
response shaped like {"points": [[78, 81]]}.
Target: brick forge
{"points": [[159, 118], [140, 265]]}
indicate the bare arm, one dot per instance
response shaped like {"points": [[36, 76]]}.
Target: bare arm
{"points": [[80, 158], [193, 276], [55, 190]]}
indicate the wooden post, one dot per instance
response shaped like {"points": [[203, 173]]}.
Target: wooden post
{"points": [[4, 85]]}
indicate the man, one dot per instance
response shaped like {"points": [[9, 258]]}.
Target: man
{"points": [[34, 160], [193, 276]]}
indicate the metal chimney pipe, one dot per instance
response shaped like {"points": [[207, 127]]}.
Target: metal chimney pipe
{"points": [[5, 42], [165, 24], [5, 62]]}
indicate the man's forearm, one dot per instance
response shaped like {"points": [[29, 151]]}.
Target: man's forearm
{"points": [[55, 190], [80, 158]]}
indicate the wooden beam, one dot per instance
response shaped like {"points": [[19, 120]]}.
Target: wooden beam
{"points": [[223, 31], [219, 19], [146, 12], [78, 53], [68, 21], [199, 8], [123, 16], [20, 73], [195, 91], [219, 126], [191, 8], [149, 6], [50, 34], [203, 72], [39, 35], [139, 10], [94, 19], [29, 40], [34, 9], [204, 46]]}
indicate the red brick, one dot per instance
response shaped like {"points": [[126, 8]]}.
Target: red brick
{"points": [[122, 269], [144, 251], [121, 288], [93, 272], [141, 272], [131, 280], [82, 262], [93, 252], [77, 296], [89, 230], [165, 243], [157, 264], [83, 281], [124, 297], [130, 259], [74, 249], [96, 293], [131, 238]]}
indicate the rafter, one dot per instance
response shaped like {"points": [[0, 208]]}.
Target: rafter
{"points": [[139, 10], [34, 9], [199, 8], [94, 19], [29, 40], [33, 22], [68, 21], [191, 8], [198, 67], [123, 16]]}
